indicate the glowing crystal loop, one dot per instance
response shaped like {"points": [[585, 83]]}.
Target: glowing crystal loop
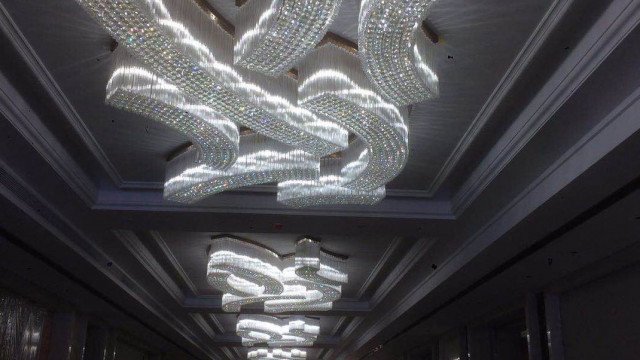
{"points": [[181, 44], [276, 332], [276, 354], [273, 36], [394, 51], [261, 160], [135, 89], [247, 273], [328, 189], [333, 85], [318, 296]]}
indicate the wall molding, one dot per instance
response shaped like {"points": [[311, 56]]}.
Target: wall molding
{"points": [[47, 81], [618, 21], [552, 17]]}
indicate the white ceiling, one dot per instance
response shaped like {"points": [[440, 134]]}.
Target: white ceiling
{"points": [[479, 41]]}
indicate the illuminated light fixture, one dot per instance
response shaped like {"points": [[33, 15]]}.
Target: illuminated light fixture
{"points": [[261, 160], [135, 89], [276, 354], [395, 51], [246, 273], [276, 332], [333, 84], [272, 36], [177, 41]]}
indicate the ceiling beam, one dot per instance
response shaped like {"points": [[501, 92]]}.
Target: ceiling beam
{"points": [[213, 305]]}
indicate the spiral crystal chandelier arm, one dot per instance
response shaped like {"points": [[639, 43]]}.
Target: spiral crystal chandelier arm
{"points": [[134, 88], [179, 43], [395, 52], [273, 36]]}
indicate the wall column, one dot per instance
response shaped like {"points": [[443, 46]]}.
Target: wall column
{"points": [[68, 332]]}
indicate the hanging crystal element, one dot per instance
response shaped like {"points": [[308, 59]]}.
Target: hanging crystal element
{"points": [[276, 332], [329, 188], [181, 44], [189, 82], [247, 273], [276, 354], [135, 89], [395, 52], [272, 36], [21, 330], [333, 85], [261, 160]]}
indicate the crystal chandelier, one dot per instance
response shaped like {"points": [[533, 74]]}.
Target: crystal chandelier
{"points": [[177, 66], [395, 52], [247, 273], [277, 354], [272, 36], [275, 332]]}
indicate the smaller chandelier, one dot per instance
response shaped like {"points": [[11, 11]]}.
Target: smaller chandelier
{"points": [[276, 332], [246, 273], [292, 354], [395, 52]]}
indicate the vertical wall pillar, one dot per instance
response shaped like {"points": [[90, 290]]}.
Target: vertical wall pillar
{"points": [[464, 343], [554, 326], [534, 338], [97, 343], [79, 338], [435, 350], [68, 333]]}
